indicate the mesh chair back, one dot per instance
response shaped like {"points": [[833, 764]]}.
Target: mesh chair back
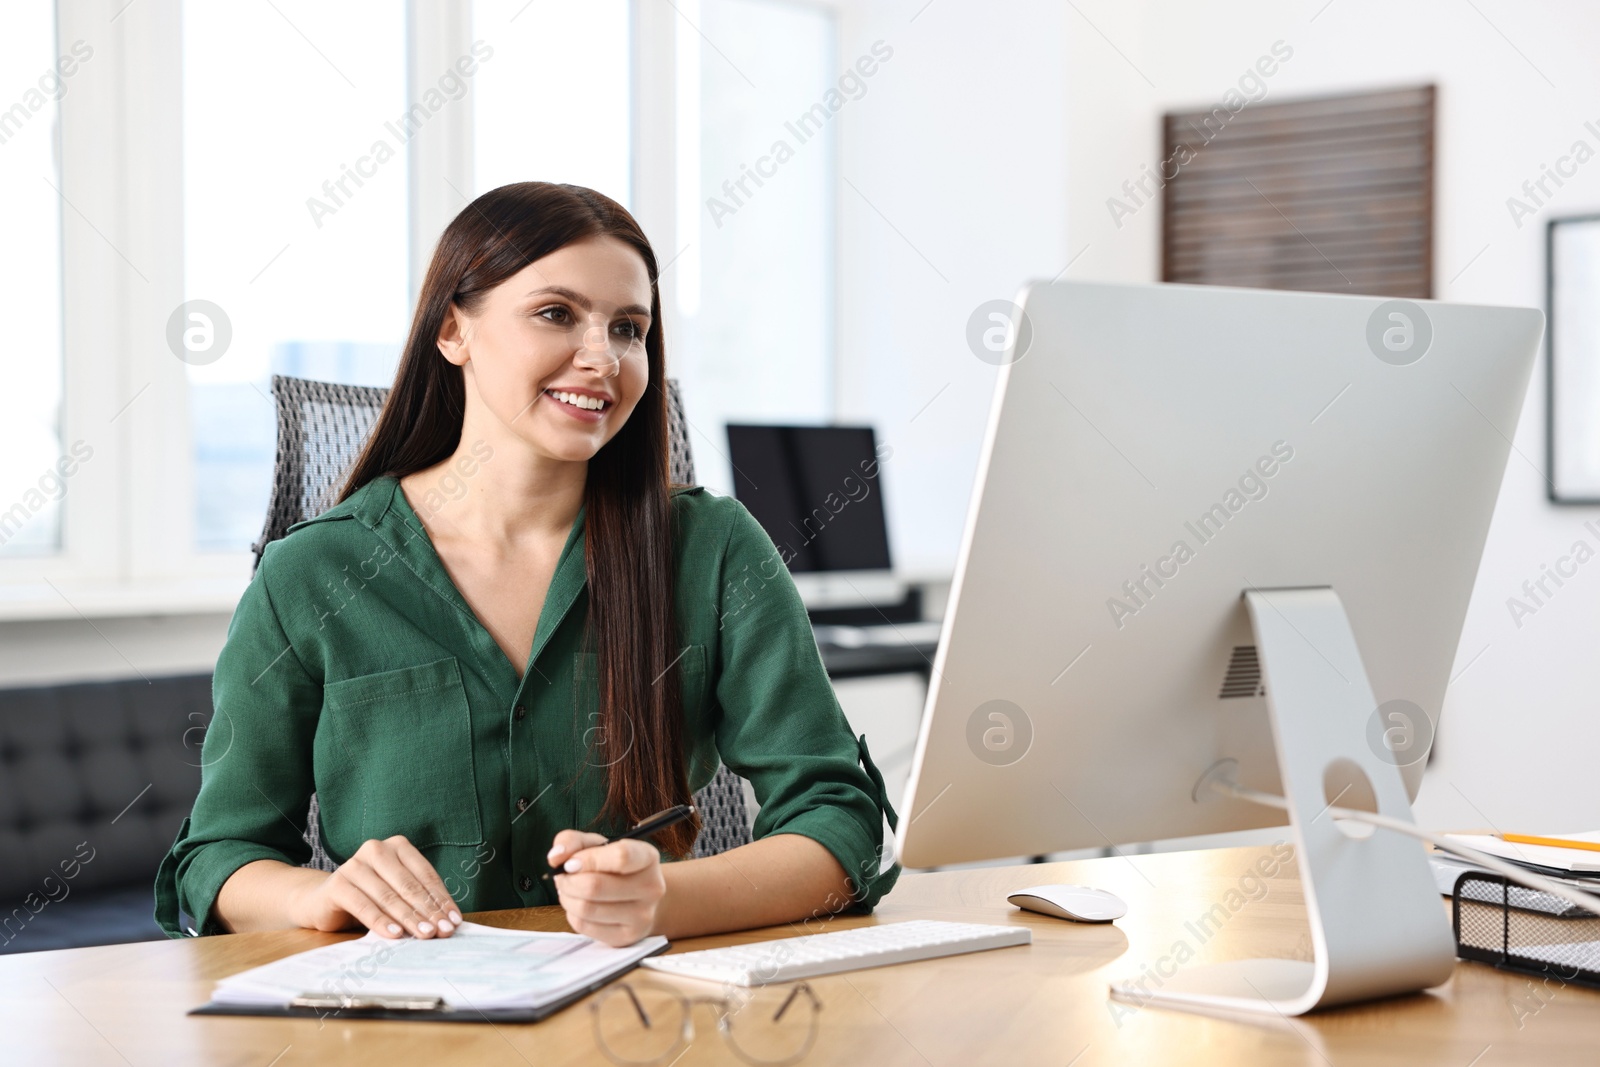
{"points": [[321, 428]]}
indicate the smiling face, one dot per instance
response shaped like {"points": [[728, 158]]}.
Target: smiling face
{"points": [[554, 355]]}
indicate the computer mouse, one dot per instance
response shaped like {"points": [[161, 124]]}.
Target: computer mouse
{"points": [[1079, 903]]}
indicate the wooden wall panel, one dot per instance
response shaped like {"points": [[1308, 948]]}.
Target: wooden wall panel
{"points": [[1333, 194]]}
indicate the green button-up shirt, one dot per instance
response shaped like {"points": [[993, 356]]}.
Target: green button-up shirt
{"points": [[354, 668]]}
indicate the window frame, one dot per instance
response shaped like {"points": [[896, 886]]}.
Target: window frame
{"points": [[127, 533]]}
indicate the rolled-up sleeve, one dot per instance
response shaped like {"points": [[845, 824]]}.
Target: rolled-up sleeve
{"points": [[781, 726], [256, 765]]}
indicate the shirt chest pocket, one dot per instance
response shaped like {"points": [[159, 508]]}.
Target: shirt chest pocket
{"points": [[691, 667], [394, 756]]}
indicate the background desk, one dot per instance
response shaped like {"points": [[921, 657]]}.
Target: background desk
{"points": [[912, 657], [1044, 1003]]}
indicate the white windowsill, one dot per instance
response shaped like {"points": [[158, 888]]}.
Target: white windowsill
{"points": [[24, 601]]}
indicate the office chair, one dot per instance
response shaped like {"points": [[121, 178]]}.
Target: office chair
{"points": [[321, 428]]}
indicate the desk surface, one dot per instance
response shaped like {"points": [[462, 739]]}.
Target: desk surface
{"points": [[1043, 1003]]}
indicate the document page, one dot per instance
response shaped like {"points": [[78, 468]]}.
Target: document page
{"points": [[1573, 860], [479, 967]]}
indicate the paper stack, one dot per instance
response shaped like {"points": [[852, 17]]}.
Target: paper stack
{"points": [[479, 968]]}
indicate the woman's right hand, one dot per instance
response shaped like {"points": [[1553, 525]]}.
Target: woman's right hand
{"points": [[388, 887]]}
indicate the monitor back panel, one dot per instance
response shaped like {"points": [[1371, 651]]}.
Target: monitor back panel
{"points": [[1155, 452]]}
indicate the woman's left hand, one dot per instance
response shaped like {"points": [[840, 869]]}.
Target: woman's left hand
{"points": [[614, 894]]}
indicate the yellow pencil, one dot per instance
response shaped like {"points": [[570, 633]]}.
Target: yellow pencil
{"points": [[1553, 842]]}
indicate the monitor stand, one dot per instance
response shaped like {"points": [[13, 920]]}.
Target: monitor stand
{"points": [[1377, 926]]}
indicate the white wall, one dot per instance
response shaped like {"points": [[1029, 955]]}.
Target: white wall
{"points": [[49, 651], [1519, 732], [956, 156]]}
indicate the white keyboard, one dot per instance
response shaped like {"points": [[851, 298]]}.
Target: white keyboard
{"points": [[842, 950]]}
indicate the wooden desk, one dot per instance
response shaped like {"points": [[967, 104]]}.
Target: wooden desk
{"points": [[1044, 1003]]}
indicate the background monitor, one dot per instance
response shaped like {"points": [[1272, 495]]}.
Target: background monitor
{"points": [[817, 491], [1152, 453]]}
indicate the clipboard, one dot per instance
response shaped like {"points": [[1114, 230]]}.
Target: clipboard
{"points": [[422, 1014]]}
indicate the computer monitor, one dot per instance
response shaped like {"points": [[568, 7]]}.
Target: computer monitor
{"points": [[818, 492], [1189, 498]]}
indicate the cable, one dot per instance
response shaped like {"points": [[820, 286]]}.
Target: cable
{"points": [[1572, 895]]}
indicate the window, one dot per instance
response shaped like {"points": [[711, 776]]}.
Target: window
{"points": [[754, 269], [553, 102], [237, 190], [295, 226], [33, 457]]}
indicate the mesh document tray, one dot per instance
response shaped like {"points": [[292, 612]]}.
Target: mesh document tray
{"points": [[1501, 923]]}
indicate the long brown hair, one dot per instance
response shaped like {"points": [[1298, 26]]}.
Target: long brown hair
{"points": [[627, 530]]}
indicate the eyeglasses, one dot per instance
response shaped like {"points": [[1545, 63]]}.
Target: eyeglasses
{"points": [[637, 1025]]}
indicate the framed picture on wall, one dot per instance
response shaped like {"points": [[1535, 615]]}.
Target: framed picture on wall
{"points": [[1573, 396], [1332, 194]]}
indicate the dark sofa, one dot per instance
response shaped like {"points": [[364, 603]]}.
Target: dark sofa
{"points": [[95, 779]]}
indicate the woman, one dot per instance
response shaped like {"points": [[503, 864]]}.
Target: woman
{"points": [[512, 639]]}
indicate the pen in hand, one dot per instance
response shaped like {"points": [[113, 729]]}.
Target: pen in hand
{"points": [[659, 821]]}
